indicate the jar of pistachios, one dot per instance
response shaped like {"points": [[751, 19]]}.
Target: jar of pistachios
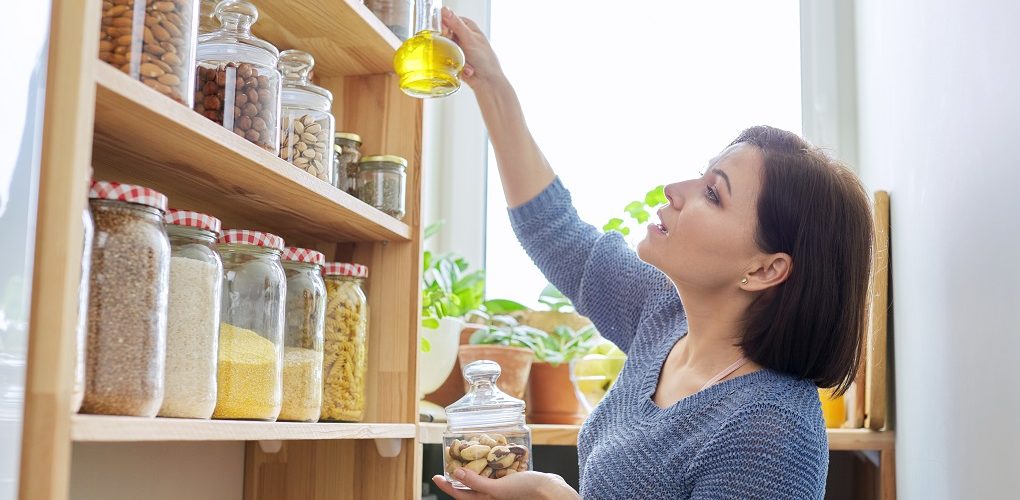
{"points": [[382, 183]]}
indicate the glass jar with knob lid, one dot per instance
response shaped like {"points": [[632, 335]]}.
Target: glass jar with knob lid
{"points": [[306, 120], [193, 315], [485, 430], [238, 85], [249, 375], [347, 153], [303, 335]]}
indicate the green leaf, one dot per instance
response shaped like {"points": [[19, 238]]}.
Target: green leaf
{"points": [[614, 224], [625, 231], [656, 197], [503, 306], [426, 346], [430, 323], [432, 229]]}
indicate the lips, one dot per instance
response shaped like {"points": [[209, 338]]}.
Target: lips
{"points": [[660, 226]]}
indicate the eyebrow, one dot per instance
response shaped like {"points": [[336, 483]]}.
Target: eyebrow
{"points": [[725, 178]]}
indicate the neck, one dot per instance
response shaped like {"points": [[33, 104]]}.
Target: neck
{"points": [[715, 324]]}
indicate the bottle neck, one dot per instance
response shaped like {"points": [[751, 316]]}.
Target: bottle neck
{"points": [[428, 16]]}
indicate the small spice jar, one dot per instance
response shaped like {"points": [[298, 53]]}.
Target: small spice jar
{"points": [[346, 343], [193, 315], [248, 379], [302, 342], [81, 328], [346, 154], [154, 42], [306, 119], [128, 286], [382, 182], [238, 84], [485, 432]]}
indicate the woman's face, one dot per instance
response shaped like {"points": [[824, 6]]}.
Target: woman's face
{"points": [[706, 236]]}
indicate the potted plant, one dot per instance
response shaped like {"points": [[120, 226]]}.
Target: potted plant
{"points": [[551, 397], [508, 343]]}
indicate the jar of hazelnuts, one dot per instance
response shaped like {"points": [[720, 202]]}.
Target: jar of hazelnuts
{"points": [[237, 82], [486, 432]]}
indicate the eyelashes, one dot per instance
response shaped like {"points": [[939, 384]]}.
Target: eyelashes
{"points": [[712, 195]]}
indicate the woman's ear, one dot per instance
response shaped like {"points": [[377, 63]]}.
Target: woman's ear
{"points": [[771, 270]]}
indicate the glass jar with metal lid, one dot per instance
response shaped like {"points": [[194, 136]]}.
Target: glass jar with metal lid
{"points": [[128, 287], [249, 384], [306, 120], [346, 154], [302, 342], [485, 432], [382, 183], [238, 84], [193, 315], [346, 343]]}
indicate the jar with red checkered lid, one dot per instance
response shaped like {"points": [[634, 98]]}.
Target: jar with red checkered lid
{"points": [[345, 361], [193, 315], [302, 337], [249, 378], [128, 287]]}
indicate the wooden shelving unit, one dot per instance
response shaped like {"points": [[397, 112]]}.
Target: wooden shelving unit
{"points": [[130, 133], [566, 435]]}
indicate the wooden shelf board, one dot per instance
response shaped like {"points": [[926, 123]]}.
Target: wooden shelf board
{"points": [[100, 428], [343, 35], [146, 138], [566, 435]]}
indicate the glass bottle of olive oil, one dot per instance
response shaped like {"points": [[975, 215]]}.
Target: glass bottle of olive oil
{"points": [[428, 63]]}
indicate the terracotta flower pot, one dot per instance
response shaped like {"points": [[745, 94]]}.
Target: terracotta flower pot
{"points": [[514, 362], [551, 398]]}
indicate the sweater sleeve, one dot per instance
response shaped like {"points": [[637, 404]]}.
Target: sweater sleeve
{"points": [[598, 272], [763, 452]]}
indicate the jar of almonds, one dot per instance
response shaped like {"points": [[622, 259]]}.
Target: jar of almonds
{"points": [[153, 41], [485, 429], [345, 361], [238, 85], [306, 120]]}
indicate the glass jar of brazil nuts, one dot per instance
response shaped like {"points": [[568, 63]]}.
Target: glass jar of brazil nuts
{"points": [[485, 431]]}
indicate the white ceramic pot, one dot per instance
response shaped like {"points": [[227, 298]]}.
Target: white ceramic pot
{"points": [[436, 365]]}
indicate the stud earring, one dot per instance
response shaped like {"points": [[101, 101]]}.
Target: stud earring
{"points": [[743, 281]]}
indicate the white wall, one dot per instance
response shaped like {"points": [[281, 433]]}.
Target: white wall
{"points": [[939, 118]]}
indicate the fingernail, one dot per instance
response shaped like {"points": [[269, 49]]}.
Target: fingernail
{"points": [[459, 473]]}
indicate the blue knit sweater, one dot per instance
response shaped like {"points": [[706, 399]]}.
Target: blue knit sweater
{"points": [[760, 435]]}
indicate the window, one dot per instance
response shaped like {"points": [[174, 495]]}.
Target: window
{"points": [[633, 95]]}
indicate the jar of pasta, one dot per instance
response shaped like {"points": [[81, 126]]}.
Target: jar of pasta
{"points": [[345, 343], [302, 337], [248, 378]]}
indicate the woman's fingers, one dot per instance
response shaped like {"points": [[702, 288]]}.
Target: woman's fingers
{"points": [[448, 488], [455, 23], [475, 482], [471, 24]]}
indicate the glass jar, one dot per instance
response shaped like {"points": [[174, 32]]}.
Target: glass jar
{"points": [[485, 432], [397, 15], [248, 379], [238, 85], [382, 182], [128, 287], [429, 64], [81, 328], [302, 342], [207, 20], [346, 343], [193, 315], [346, 154], [306, 120], [153, 42]]}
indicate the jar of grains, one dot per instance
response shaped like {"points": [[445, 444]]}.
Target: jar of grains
{"points": [[485, 430], [302, 337], [249, 378], [152, 41], [128, 283], [238, 85], [382, 182], [346, 343], [193, 315], [306, 120], [346, 154], [78, 391]]}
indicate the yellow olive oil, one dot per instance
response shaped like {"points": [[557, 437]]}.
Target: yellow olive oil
{"points": [[429, 65]]}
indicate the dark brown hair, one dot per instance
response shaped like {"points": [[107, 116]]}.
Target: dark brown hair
{"points": [[815, 209]]}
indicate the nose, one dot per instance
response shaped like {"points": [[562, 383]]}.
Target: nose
{"points": [[674, 194]]}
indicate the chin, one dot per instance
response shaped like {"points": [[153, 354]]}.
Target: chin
{"points": [[645, 251]]}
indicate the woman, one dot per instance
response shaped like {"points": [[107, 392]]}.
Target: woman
{"points": [[748, 293]]}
